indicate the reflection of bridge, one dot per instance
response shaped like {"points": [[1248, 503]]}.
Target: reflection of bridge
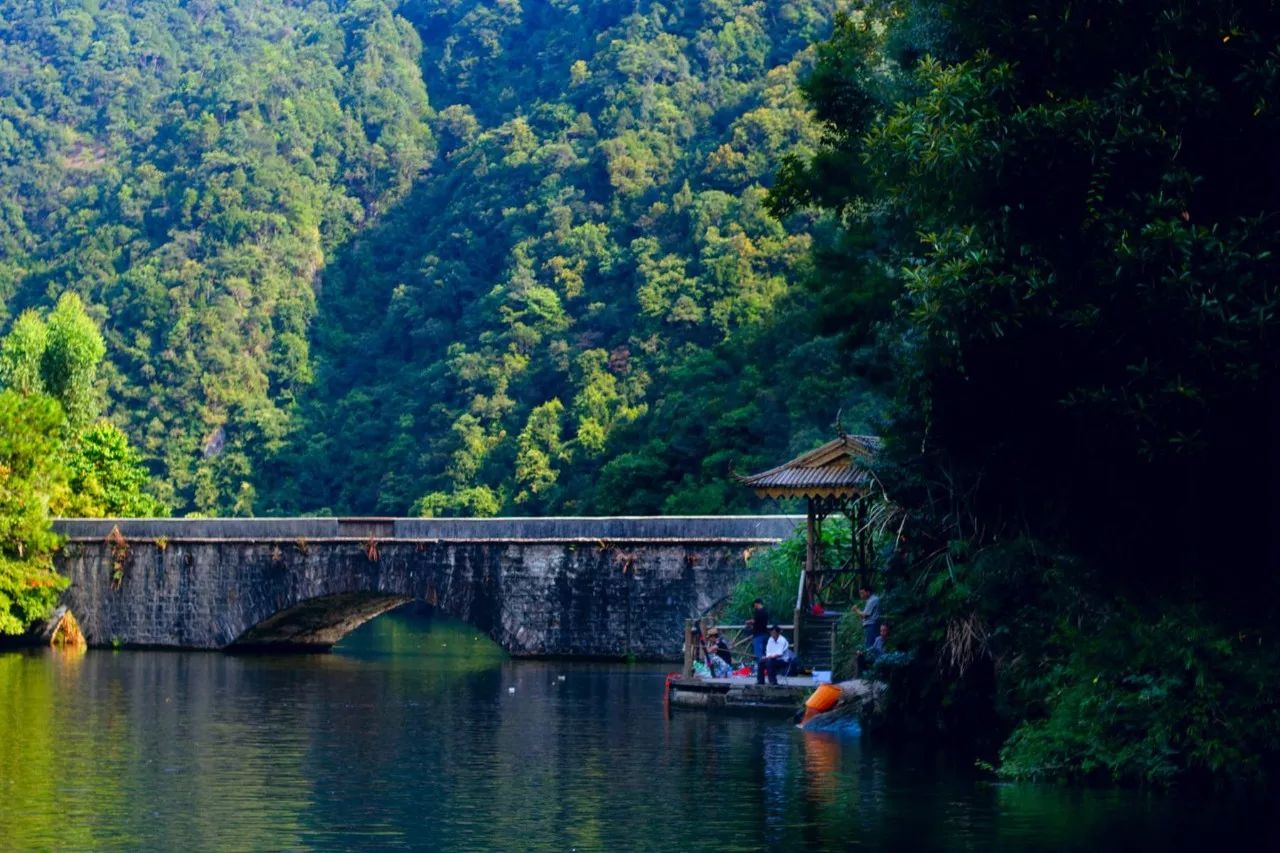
{"points": [[546, 586]]}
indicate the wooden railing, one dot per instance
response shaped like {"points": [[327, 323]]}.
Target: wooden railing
{"points": [[737, 636]]}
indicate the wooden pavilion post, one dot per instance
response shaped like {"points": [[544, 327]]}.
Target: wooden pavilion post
{"points": [[806, 579], [811, 547], [688, 648]]}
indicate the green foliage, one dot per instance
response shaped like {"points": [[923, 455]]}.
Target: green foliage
{"points": [[1150, 700], [32, 477], [58, 356], [594, 233], [326, 286], [21, 352], [473, 502], [774, 574], [69, 364], [1079, 211], [49, 462], [192, 166], [107, 477]]}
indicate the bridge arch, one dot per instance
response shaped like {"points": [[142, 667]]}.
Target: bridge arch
{"points": [[317, 623]]}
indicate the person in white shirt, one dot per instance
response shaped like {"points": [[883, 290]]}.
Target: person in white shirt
{"points": [[775, 657]]}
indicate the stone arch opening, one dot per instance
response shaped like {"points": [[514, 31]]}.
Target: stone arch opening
{"points": [[316, 624]]}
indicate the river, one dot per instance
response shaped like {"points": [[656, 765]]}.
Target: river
{"points": [[418, 735]]}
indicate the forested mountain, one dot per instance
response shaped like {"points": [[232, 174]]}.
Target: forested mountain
{"points": [[484, 256], [448, 257], [186, 167]]}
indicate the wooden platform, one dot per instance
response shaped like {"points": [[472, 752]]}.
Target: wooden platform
{"points": [[740, 693]]}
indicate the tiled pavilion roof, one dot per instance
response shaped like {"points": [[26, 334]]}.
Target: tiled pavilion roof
{"points": [[833, 470]]}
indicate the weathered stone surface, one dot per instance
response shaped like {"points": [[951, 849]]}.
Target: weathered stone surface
{"points": [[738, 694], [573, 587]]}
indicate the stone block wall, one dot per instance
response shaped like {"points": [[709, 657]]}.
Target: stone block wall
{"points": [[546, 587]]}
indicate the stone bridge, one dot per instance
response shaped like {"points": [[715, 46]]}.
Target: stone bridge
{"points": [[591, 587]]}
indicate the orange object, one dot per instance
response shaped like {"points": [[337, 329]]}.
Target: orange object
{"points": [[822, 700]]}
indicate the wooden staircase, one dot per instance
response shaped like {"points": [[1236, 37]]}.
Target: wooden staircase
{"points": [[817, 641]]}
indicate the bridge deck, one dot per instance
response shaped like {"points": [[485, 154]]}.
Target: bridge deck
{"points": [[746, 529]]}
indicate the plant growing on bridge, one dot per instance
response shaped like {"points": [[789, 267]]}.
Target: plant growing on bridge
{"points": [[119, 547]]}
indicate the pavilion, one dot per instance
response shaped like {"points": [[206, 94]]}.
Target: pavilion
{"points": [[831, 479]]}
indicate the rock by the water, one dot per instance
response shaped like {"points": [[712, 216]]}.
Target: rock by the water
{"points": [[860, 701]]}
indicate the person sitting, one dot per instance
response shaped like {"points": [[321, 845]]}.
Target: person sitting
{"points": [[878, 646], [716, 645], [774, 660], [868, 656], [719, 667], [716, 654]]}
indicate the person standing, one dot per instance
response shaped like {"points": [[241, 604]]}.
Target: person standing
{"points": [[870, 613], [759, 626]]}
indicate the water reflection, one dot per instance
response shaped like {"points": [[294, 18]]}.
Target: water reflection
{"points": [[410, 736]]}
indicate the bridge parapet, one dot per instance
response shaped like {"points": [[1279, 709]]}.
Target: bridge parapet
{"points": [[746, 529]]}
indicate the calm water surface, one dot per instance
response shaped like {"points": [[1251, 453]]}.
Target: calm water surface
{"points": [[408, 737]]}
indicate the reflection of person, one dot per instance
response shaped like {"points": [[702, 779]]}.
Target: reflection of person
{"points": [[775, 655], [759, 626], [870, 613]]}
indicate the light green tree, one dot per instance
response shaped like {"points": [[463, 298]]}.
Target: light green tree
{"points": [[32, 478], [541, 449], [107, 476], [21, 352]]}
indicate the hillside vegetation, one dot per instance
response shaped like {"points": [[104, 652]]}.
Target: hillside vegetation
{"points": [[444, 257]]}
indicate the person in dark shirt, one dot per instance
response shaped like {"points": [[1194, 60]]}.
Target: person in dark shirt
{"points": [[759, 627], [716, 645]]}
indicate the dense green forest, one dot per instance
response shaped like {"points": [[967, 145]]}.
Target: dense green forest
{"points": [[472, 257], [1083, 447], [442, 257]]}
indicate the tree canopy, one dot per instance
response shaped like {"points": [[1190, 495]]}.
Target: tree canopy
{"points": [[54, 458], [329, 291], [1081, 202]]}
